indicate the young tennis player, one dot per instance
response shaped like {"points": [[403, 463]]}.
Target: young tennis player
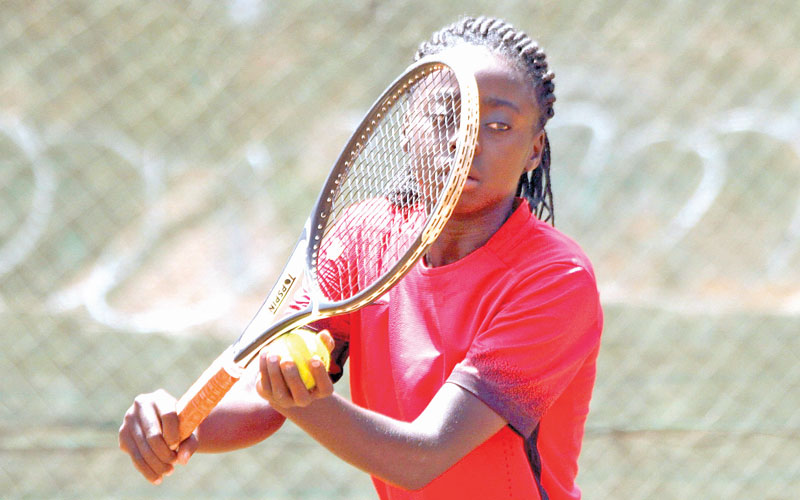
{"points": [[472, 377]]}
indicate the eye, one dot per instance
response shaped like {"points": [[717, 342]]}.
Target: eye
{"points": [[438, 119], [443, 118], [498, 126]]}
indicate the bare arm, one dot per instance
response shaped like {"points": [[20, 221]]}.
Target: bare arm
{"points": [[406, 454], [242, 419]]}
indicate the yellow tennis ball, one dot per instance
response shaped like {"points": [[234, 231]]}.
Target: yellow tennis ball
{"points": [[301, 345]]}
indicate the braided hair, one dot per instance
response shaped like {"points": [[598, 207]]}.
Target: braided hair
{"points": [[502, 38]]}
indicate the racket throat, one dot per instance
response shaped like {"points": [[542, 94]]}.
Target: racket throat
{"points": [[282, 310], [244, 354]]}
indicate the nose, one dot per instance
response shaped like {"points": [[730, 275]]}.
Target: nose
{"points": [[452, 142]]}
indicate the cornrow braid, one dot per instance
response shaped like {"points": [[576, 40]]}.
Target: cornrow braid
{"points": [[517, 47]]}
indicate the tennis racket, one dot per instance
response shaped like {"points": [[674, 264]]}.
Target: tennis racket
{"points": [[385, 201]]}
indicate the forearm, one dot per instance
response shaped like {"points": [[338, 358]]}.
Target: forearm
{"points": [[242, 419], [400, 453], [406, 454]]}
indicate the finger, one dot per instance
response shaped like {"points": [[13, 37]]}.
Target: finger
{"points": [[150, 423], [166, 407], [123, 436], [327, 339], [297, 388], [187, 449], [263, 385], [280, 391], [152, 467], [324, 386], [128, 444]]}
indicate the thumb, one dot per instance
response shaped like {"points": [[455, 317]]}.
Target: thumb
{"points": [[187, 449], [325, 337]]}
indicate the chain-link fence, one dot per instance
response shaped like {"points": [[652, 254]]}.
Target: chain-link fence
{"points": [[157, 158]]}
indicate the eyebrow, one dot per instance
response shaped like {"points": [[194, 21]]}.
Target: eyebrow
{"points": [[498, 102]]}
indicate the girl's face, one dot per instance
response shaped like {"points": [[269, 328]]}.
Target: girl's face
{"points": [[510, 140]]}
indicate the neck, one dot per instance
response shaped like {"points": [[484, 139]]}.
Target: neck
{"points": [[465, 233]]}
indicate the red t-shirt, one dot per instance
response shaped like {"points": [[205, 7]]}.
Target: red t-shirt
{"points": [[517, 323]]}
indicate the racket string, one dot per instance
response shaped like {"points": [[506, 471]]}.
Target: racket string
{"points": [[393, 178]]}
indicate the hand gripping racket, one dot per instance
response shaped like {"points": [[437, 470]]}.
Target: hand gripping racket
{"points": [[385, 201]]}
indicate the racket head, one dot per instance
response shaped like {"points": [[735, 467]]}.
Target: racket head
{"points": [[394, 186], [430, 117]]}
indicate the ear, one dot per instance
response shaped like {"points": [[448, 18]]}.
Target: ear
{"points": [[536, 152]]}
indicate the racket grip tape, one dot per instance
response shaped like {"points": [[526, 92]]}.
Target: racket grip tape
{"points": [[194, 406]]}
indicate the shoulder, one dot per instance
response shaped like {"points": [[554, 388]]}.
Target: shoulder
{"points": [[527, 246], [542, 272]]}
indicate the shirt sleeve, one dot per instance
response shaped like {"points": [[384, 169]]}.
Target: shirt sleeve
{"points": [[531, 349]]}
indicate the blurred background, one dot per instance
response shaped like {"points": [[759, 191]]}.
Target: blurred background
{"points": [[157, 159]]}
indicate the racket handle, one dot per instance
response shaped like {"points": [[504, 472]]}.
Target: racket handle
{"points": [[194, 406]]}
